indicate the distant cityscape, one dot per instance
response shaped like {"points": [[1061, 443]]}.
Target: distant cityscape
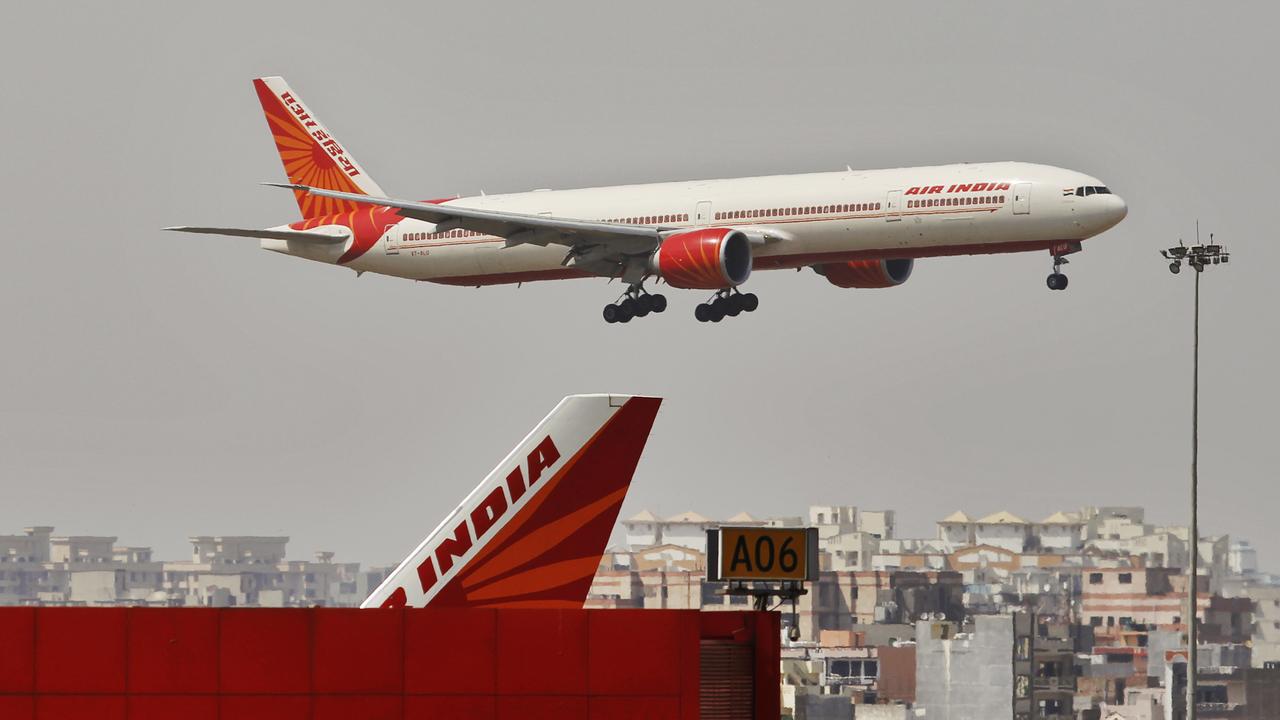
{"points": [[1081, 614]]}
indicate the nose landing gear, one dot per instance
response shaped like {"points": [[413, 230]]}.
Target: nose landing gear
{"points": [[1056, 280], [635, 302], [726, 303]]}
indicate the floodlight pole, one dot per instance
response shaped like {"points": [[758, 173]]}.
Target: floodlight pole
{"points": [[1197, 256], [1195, 525]]}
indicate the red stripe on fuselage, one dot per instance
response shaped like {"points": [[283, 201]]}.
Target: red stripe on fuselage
{"points": [[775, 262], [511, 277]]}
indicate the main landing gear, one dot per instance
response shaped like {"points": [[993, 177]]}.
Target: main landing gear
{"points": [[1056, 280], [635, 302], [726, 303]]}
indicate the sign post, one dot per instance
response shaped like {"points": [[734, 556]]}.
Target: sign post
{"points": [[763, 563]]}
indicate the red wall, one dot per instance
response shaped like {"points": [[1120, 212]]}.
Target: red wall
{"points": [[322, 663]]}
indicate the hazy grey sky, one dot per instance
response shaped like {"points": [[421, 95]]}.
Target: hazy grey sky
{"points": [[157, 386]]}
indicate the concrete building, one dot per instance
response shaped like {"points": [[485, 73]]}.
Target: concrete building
{"points": [[963, 675], [1135, 596], [1003, 530], [878, 523], [24, 566], [642, 529], [1242, 559], [1113, 522], [38, 567], [1265, 635], [1060, 532], [688, 529], [1158, 548], [1137, 704], [833, 519], [1001, 666], [850, 551], [956, 530], [1223, 692], [873, 679]]}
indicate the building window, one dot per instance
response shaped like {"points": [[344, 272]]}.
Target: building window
{"points": [[1127, 578], [1095, 578]]}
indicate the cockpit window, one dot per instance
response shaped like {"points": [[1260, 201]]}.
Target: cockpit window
{"points": [[1092, 190]]}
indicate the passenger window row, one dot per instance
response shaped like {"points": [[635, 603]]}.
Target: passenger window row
{"points": [[649, 219], [411, 237], [791, 211], [957, 202]]}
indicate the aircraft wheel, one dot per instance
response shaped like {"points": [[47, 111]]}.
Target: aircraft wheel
{"points": [[732, 305], [1057, 281], [659, 302], [1175, 267], [644, 305], [716, 311], [612, 313], [702, 312], [750, 302]]}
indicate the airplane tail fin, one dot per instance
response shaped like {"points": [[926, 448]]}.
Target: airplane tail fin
{"points": [[532, 533], [311, 155]]}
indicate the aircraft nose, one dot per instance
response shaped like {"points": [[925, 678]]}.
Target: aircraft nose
{"points": [[1108, 211], [1118, 210]]}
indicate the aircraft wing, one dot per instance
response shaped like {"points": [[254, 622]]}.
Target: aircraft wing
{"points": [[600, 248]]}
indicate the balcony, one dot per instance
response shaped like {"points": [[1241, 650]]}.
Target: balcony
{"points": [[1055, 684], [1212, 710]]}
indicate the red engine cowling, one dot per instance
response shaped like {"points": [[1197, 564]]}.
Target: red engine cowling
{"points": [[867, 273], [705, 259]]}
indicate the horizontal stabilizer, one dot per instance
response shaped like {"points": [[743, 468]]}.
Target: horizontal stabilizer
{"points": [[319, 237]]}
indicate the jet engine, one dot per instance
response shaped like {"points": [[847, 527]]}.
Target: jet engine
{"points": [[705, 259], [867, 273]]}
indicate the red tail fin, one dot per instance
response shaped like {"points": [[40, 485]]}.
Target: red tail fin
{"points": [[309, 152], [532, 533]]}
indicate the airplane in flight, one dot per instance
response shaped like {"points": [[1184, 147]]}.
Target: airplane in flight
{"points": [[855, 228], [532, 532]]}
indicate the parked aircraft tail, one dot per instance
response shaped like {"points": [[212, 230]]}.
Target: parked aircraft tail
{"points": [[311, 155], [532, 533]]}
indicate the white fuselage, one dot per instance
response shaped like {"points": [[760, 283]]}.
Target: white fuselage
{"points": [[793, 220]]}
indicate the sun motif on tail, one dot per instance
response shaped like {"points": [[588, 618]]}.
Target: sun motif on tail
{"points": [[310, 154]]}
